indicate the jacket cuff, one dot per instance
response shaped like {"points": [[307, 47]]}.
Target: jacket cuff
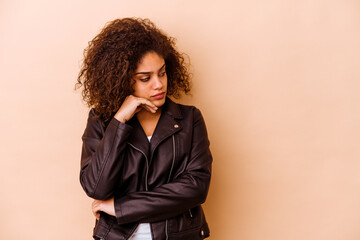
{"points": [[118, 211], [119, 126]]}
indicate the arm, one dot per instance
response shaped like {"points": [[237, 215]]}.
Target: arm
{"points": [[102, 153], [186, 191], [101, 158]]}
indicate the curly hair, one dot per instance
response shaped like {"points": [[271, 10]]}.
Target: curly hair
{"points": [[111, 58]]}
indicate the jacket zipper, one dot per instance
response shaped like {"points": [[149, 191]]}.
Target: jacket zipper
{"points": [[147, 172], [172, 166], [191, 216], [147, 166], [132, 231], [166, 230], [146, 175], [173, 160]]}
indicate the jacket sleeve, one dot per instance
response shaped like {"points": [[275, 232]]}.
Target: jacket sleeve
{"points": [[102, 156], [186, 191]]}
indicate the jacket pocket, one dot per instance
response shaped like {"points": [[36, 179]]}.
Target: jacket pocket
{"points": [[102, 227], [189, 225], [193, 234]]}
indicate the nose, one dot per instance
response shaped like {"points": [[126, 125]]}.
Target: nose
{"points": [[157, 83]]}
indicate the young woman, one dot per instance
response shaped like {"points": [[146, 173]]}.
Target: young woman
{"points": [[145, 159]]}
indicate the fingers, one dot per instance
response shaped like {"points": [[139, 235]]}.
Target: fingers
{"points": [[132, 105], [147, 105], [96, 208], [142, 102], [149, 108]]}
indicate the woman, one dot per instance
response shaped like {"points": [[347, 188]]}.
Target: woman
{"points": [[145, 159]]}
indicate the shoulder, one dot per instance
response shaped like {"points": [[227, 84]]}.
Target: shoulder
{"points": [[95, 117], [189, 109], [94, 123], [93, 113], [185, 112], [193, 119], [179, 110]]}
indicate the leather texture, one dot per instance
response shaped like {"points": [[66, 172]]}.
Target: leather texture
{"points": [[162, 182]]}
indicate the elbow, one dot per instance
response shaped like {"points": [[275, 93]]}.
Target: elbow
{"points": [[198, 198], [91, 190], [202, 190], [98, 195], [102, 197], [203, 195]]}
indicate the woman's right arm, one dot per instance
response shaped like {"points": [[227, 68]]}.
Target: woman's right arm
{"points": [[103, 150], [102, 156]]}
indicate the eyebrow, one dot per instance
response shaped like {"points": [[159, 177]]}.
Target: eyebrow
{"points": [[151, 72]]}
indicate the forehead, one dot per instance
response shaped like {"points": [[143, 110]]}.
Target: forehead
{"points": [[151, 61]]}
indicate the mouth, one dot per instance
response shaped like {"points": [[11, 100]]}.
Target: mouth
{"points": [[159, 95]]}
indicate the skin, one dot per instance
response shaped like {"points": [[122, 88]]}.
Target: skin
{"points": [[150, 80]]}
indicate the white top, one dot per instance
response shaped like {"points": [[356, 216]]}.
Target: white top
{"points": [[143, 231]]}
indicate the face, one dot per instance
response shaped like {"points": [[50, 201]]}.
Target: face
{"points": [[150, 79]]}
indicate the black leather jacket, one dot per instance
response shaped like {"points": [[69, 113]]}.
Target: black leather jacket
{"points": [[163, 182]]}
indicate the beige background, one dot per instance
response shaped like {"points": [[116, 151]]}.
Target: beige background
{"points": [[278, 85]]}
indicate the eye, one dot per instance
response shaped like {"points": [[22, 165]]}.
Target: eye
{"points": [[162, 74], [145, 79]]}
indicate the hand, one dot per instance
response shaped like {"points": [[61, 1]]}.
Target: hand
{"points": [[106, 206], [132, 105]]}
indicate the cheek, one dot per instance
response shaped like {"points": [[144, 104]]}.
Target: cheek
{"points": [[165, 83], [143, 90], [137, 89]]}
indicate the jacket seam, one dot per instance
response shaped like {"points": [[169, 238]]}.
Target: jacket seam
{"points": [[103, 166]]}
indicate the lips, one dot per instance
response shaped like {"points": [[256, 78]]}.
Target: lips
{"points": [[159, 95]]}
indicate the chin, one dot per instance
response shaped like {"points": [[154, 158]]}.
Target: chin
{"points": [[159, 103]]}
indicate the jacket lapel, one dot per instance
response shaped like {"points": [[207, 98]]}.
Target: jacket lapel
{"points": [[138, 137], [168, 124]]}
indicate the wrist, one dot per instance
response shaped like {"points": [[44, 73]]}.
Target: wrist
{"points": [[120, 118]]}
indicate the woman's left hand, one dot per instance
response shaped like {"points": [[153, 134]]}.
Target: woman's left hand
{"points": [[106, 206]]}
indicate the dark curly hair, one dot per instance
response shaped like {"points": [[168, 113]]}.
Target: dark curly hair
{"points": [[111, 58]]}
